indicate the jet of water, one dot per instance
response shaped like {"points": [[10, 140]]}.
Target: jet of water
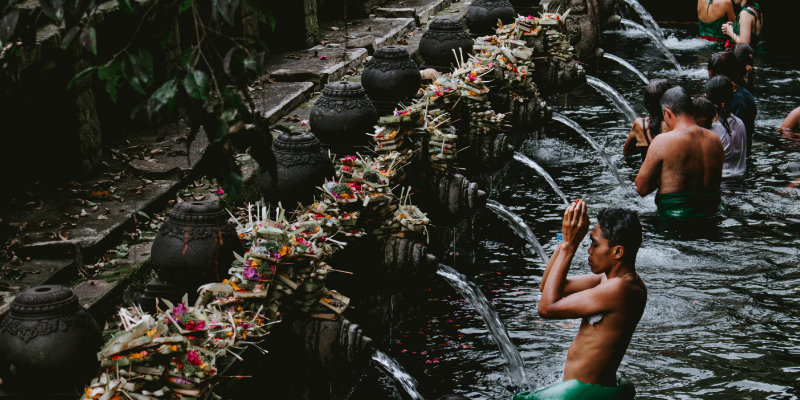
{"points": [[538, 168], [519, 227], [459, 282], [613, 96], [396, 372], [577, 128], [627, 65], [648, 20], [633, 25]]}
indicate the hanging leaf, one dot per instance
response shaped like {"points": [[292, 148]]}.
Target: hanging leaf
{"points": [[8, 24], [226, 9], [233, 64], [126, 6], [79, 76], [139, 71], [54, 9], [110, 75], [163, 97], [88, 40], [185, 5], [71, 33], [197, 85]]}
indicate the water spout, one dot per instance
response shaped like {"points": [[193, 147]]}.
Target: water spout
{"points": [[519, 227], [633, 25], [577, 128], [627, 65], [538, 168], [459, 282], [396, 372], [613, 96], [648, 20]]}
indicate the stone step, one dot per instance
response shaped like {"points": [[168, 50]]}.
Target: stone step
{"points": [[420, 10]]}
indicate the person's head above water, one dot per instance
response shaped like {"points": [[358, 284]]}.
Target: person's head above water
{"points": [[623, 231], [719, 90], [725, 63], [652, 102], [704, 112], [676, 103], [743, 53]]}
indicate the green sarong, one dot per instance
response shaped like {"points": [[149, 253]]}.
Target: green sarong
{"points": [[687, 206], [712, 31], [574, 389]]}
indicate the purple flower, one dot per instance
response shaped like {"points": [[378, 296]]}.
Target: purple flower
{"points": [[179, 310], [250, 273]]}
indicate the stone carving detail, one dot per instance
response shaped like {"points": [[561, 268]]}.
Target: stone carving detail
{"points": [[189, 231], [490, 4], [25, 331], [390, 64], [340, 105]]}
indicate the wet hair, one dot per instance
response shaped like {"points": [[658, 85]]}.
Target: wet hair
{"points": [[703, 108], [719, 90], [652, 102], [724, 63], [621, 227], [743, 53], [677, 100]]}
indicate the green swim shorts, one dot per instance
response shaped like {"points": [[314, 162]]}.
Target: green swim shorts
{"points": [[574, 389], [687, 206]]}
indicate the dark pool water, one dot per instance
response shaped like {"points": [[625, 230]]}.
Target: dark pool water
{"points": [[723, 313]]}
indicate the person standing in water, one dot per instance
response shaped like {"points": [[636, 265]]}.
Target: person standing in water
{"points": [[728, 127], [711, 15], [645, 129], [747, 27], [684, 164], [610, 300]]}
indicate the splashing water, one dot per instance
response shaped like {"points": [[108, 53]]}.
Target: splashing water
{"points": [[649, 22], [459, 282], [396, 371], [519, 227], [538, 168], [603, 156], [613, 96], [633, 25], [628, 66]]}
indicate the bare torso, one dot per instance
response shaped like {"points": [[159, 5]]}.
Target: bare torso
{"points": [[715, 11], [687, 159], [597, 350]]}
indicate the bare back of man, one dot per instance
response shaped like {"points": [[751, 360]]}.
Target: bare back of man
{"points": [[687, 159]]}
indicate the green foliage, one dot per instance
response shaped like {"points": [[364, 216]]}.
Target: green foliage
{"points": [[206, 88]]}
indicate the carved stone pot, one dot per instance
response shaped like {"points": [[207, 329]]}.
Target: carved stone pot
{"points": [[482, 15], [390, 77], [195, 245], [48, 341], [458, 195], [302, 166], [342, 117], [444, 35]]}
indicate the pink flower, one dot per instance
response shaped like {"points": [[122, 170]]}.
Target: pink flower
{"points": [[193, 357], [323, 58], [250, 273], [220, 191], [179, 310], [304, 122]]}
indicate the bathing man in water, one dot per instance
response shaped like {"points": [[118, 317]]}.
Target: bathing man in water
{"points": [[684, 164], [610, 300]]}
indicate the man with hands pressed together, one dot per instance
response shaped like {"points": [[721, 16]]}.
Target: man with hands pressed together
{"points": [[610, 300]]}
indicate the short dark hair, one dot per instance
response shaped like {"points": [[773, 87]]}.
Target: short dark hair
{"points": [[725, 63], [744, 54], [704, 108], [652, 102], [621, 227], [677, 100]]}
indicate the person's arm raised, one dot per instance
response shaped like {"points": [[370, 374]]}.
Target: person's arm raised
{"points": [[575, 226], [650, 172]]}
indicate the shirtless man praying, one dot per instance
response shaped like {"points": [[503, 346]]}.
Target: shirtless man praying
{"points": [[610, 300]]}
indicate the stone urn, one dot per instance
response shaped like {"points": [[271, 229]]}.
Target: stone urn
{"points": [[48, 342], [342, 117], [482, 15], [195, 245], [390, 77], [444, 35], [302, 167]]}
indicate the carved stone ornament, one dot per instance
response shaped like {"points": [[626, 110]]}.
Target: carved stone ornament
{"points": [[302, 166], [390, 77], [342, 117], [443, 37]]}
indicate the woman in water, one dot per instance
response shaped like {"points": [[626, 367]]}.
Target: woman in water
{"points": [[728, 127], [645, 129], [711, 15], [747, 27]]}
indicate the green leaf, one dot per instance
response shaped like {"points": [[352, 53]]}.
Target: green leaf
{"points": [[140, 71], [164, 96], [185, 5], [126, 6], [110, 75], [8, 24], [144, 214], [226, 9], [229, 115], [54, 9], [233, 64], [79, 76], [88, 40], [197, 85]]}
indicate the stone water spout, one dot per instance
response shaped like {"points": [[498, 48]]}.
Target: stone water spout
{"points": [[457, 195], [585, 23]]}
